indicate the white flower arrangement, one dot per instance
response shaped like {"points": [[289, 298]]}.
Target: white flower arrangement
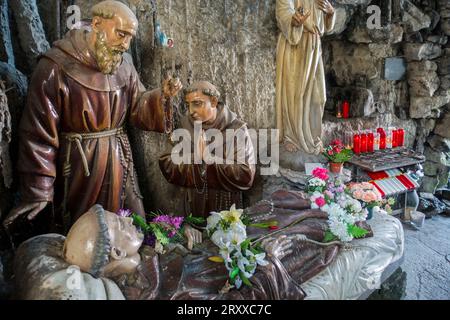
{"points": [[316, 182], [229, 233], [343, 210]]}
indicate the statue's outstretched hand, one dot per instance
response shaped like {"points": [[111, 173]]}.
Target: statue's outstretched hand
{"points": [[299, 17], [32, 208], [325, 6], [193, 236], [279, 247], [171, 87]]}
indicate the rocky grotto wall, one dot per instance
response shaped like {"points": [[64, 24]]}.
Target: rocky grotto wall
{"points": [[233, 44]]}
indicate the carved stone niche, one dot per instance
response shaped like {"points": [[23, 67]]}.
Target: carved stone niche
{"points": [[361, 100]]}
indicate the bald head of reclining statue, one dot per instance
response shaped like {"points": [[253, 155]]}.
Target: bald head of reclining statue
{"points": [[103, 244]]}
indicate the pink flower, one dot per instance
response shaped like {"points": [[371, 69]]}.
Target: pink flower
{"points": [[367, 185], [321, 202], [358, 194], [369, 196], [321, 173], [337, 142]]}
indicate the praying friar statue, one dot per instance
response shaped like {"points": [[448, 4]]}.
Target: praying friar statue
{"points": [[218, 163], [74, 151], [300, 84]]}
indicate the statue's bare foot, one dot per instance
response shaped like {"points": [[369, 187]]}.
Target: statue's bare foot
{"points": [[290, 147]]}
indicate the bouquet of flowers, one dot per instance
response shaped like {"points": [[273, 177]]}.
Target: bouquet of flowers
{"points": [[161, 229], [227, 231], [332, 197], [369, 195], [337, 153]]}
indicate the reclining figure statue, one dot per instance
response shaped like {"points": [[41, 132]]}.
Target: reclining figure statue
{"points": [[103, 258]]}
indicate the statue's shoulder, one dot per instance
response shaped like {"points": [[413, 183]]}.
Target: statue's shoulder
{"points": [[233, 120], [128, 60], [87, 75], [57, 55]]}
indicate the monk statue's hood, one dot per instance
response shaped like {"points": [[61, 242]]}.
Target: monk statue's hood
{"points": [[75, 59], [226, 119]]}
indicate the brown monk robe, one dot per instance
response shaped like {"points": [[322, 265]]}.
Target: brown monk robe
{"points": [[72, 131], [212, 187], [191, 275]]}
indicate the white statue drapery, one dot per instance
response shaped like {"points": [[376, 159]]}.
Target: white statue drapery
{"points": [[301, 91]]}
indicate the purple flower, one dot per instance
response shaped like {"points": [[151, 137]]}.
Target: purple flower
{"points": [[124, 213], [170, 224], [150, 240], [162, 219], [177, 222], [172, 234], [329, 194]]}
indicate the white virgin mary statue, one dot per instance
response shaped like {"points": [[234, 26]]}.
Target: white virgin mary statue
{"points": [[301, 92]]}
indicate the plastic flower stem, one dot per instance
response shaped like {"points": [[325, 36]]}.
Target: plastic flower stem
{"points": [[234, 273], [258, 240], [264, 225]]}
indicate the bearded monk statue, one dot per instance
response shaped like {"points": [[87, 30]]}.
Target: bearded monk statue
{"points": [[74, 150]]}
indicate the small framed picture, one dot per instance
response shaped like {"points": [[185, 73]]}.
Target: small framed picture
{"points": [[310, 167]]}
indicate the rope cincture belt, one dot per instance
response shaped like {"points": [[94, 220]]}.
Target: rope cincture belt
{"points": [[78, 138]]}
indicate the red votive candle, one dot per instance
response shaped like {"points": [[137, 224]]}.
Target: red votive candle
{"points": [[363, 142], [382, 138], [357, 143], [346, 109], [394, 138], [401, 137], [370, 142]]}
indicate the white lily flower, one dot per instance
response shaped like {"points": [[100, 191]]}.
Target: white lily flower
{"points": [[220, 238], [213, 220], [260, 259], [243, 263], [238, 283], [233, 215]]}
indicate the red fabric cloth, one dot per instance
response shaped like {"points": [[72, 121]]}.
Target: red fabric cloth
{"points": [[378, 175], [379, 189], [408, 184]]}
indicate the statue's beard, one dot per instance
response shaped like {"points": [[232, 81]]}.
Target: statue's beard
{"points": [[108, 59]]}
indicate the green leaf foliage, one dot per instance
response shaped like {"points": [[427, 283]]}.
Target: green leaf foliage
{"points": [[234, 273], [197, 221], [245, 279], [245, 245], [329, 237], [357, 232], [341, 157]]}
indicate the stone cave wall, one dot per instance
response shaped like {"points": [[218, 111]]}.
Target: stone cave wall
{"points": [[232, 43], [417, 32]]}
